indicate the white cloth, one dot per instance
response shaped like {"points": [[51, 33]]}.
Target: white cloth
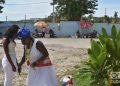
{"points": [[40, 76], [9, 74]]}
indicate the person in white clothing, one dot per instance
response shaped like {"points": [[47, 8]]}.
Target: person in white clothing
{"points": [[40, 72], [9, 61]]}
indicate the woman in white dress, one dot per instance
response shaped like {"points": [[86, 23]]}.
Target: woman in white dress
{"points": [[40, 72], [9, 61]]}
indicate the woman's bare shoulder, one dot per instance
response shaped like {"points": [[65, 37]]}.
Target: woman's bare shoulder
{"points": [[5, 41]]}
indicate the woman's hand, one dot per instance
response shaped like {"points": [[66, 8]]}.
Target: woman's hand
{"points": [[14, 68], [33, 65], [19, 69]]}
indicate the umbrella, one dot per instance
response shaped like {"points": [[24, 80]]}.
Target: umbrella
{"points": [[86, 24], [41, 24]]}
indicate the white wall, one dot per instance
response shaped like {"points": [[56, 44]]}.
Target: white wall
{"points": [[68, 28], [4, 26], [28, 26]]}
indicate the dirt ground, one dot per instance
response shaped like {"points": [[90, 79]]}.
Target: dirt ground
{"points": [[64, 54]]}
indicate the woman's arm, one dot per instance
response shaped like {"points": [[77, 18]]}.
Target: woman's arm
{"points": [[6, 50], [21, 62], [23, 59], [40, 46]]}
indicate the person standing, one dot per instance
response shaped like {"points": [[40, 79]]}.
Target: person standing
{"points": [[43, 31], [40, 72], [9, 61], [51, 33]]}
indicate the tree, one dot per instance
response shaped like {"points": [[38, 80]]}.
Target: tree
{"points": [[1, 2], [74, 9], [116, 16]]}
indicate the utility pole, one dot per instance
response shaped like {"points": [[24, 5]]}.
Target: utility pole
{"points": [[6, 19], [45, 18], [105, 11], [53, 12], [25, 18], [25, 21], [105, 16]]}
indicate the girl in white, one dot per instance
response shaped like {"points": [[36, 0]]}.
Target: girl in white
{"points": [[9, 61], [40, 72]]}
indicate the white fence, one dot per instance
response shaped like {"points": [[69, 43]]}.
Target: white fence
{"points": [[68, 28], [4, 26]]}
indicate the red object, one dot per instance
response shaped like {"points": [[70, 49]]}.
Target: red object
{"points": [[70, 83], [86, 24], [44, 63]]}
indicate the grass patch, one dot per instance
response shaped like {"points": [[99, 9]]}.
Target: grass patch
{"points": [[82, 79]]}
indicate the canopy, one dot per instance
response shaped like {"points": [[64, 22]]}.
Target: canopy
{"points": [[41, 24]]}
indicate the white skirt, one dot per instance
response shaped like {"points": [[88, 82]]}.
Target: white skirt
{"points": [[42, 76]]}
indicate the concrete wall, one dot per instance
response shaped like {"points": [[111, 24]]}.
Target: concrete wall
{"points": [[71, 27], [4, 26], [98, 26], [28, 25], [68, 28]]}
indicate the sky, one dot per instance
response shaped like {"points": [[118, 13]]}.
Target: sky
{"points": [[110, 5], [42, 8]]}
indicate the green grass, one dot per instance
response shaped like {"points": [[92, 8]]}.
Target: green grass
{"points": [[82, 79]]}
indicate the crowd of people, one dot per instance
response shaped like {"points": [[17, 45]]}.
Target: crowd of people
{"points": [[43, 32], [92, 34]]}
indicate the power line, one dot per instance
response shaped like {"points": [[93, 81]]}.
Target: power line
{"points": [[27, 3], [27, 13]]}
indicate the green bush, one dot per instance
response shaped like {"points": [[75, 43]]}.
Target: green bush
{"points": [[104, 57]]}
